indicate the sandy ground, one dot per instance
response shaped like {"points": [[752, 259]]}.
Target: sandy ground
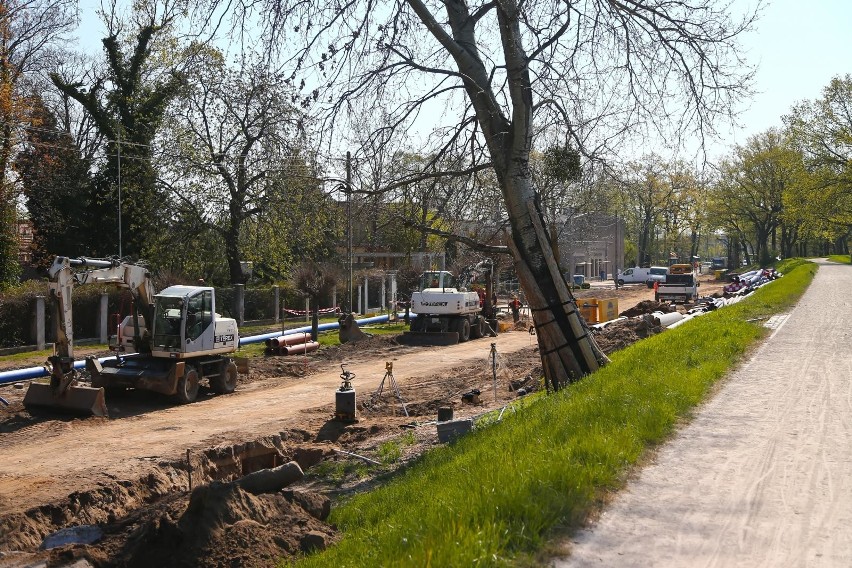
{"points": [[763, 475], [46, 460]]}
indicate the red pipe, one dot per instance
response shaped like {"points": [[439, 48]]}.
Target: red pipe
{"points": [[286, 340], [300, 348]]}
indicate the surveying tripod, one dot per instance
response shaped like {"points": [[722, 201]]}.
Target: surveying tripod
{"points": [[393, 386]]}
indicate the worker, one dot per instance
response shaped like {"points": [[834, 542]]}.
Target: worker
{"points": [[481, 293], [434, 283], [515, 306]]}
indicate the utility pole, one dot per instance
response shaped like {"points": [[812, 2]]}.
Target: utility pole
{"points": [[349, 226], [118, 155]]}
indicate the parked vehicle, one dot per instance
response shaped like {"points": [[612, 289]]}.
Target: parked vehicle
{"points": [[188, 341], [677, 288], [447, 313], [656, 274], [632, 275]]}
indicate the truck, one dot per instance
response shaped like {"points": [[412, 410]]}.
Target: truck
{"points": [[447, 312], [677, 288], [179, 339]]}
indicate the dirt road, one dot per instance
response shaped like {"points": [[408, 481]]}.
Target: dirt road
{"points": [[45, 461], [763, 475]]}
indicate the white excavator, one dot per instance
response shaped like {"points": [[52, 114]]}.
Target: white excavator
{"points": [[447, 313], [179, 340]]}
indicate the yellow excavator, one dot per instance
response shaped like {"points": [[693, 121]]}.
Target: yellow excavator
{"points": [[179, 338]]}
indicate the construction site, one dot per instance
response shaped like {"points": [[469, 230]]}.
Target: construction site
{"points": [[244, 471]]}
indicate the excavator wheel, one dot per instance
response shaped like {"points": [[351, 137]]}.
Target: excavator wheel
{"points": [[226, 382], [463, 327], [187, 387], [479, 328]]}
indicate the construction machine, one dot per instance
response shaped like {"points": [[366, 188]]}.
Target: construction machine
{"points": [[447, 313], [179, 340]]}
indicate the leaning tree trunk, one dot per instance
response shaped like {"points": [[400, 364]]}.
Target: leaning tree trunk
{"points": [[568, 351]]}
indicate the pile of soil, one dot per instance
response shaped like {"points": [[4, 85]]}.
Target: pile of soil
{"points": [[646, 307], [623, 333]]}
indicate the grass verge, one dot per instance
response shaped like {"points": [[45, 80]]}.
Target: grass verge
{"points": [[497, 495], [841, 258]]}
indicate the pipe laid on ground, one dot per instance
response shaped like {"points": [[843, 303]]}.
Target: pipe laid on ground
{"points": [[307, 329], [668, 318], [286, 340], [300, 348], [29, 373]]}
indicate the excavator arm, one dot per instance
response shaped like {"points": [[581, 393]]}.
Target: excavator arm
{"points": [[65, 274]]}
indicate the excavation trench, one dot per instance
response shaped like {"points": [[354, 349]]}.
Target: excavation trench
{"points": [[151, 507]]}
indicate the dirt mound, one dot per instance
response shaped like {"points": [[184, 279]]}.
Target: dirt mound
{"points": [[646, 307], [222, 525], [623, 333], [374, 344]]}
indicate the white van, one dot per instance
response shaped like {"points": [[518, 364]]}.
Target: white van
{"points": [[638, 274]]}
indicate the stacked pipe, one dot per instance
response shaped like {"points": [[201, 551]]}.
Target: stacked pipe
{"points": [[293, 344]]}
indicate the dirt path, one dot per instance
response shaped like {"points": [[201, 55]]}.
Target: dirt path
{"points": [[45, 461], [763, 475]]}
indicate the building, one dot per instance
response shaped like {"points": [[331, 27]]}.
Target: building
{"points": [[591, 244], [25, 232]]}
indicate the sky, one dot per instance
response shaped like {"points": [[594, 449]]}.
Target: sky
{"points": [[798, 47]]}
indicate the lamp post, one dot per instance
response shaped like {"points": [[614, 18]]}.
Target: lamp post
{"points": [[349, 227]]}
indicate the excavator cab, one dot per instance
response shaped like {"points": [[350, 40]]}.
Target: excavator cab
{"points": [[437, 280], [183, 318]]}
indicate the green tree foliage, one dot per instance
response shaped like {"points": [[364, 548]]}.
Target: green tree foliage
{"points": [[749, 198], [235, 142], [822, 131], [57, 188], [299, 222], [648, 190], [127, 105]]}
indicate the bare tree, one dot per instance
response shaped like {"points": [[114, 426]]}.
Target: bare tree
{"points": [[493, 73], [30, 33], [235, 131]]}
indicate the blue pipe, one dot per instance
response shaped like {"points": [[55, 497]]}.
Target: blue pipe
{"points": [[307, 329], [8, 377]]}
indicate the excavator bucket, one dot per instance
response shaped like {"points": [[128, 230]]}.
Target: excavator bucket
{"points": [[427, 338], [75, 399], [349, 332]]}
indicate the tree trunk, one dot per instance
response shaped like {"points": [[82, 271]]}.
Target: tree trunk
{"points": [[568, 351], [232, 244]]}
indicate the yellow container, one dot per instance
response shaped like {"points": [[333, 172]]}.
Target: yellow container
{"points": [[588, 309], [717, 274], [607, 310]]}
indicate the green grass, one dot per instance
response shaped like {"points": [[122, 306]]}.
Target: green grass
{"points": [[497, 495], [841, 258], [45, 353]]}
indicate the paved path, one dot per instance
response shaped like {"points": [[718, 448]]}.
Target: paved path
{"points": [[763, 475]]}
